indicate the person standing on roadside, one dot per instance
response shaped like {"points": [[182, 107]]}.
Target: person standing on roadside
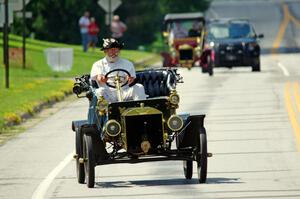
{"points": [[84, 23], [93, 30], [117, 28]]}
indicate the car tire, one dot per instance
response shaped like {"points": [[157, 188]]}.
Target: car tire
{"points": [[79, 151], [210, 69], [89, 161], [202, 156], [188, 169], [256, 65]]}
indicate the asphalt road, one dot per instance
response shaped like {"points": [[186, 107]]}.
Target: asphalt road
{"points": [[252, 122]]}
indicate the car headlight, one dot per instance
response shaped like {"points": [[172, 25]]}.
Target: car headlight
{"points": [[251, 46], [175, 123], [174, 98], [112, 128]]}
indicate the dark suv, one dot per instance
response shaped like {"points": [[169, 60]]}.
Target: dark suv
{"points": [[230, 43]]}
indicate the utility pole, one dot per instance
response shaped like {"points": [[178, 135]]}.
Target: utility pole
{"points": [[5, 36], [109, 12], [24, 36]]}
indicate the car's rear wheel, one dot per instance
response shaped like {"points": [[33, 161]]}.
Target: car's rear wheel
{"points": [[79, 152], [256, 65], [188, 169], [202, 156], [89, 161]]}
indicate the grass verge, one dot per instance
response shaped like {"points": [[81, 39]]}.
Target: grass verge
{"points": [[37, 84]]}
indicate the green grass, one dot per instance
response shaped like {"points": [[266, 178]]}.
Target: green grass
{"points": [[38, 83]]}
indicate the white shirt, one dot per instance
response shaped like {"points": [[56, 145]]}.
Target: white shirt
{"points": [[85, 22], [102, 67], [117, 29]]}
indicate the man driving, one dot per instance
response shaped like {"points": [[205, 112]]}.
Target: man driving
{"points": [[107, 65]]}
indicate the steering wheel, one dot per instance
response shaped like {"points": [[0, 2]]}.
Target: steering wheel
{"points": [[123, 79]]}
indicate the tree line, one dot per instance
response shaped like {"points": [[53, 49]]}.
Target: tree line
{"points": [[57, 20]]}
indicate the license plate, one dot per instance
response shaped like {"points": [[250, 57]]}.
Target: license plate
{"points": [[230, 57]]}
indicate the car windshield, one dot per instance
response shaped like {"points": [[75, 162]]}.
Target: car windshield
{"points": [[230, 31], [182, 29]]}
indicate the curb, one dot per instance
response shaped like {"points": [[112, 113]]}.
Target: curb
{"points": [[38, 108]]}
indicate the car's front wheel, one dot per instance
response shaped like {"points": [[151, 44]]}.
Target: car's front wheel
{"points": [[89, 161], [256, 65], [188, 169], [202, 156], [210, 69], [79, 152]]}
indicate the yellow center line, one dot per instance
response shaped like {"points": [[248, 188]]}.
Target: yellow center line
{"points": [[282, 28], [297, 95], [291, 113], [287, 17]]}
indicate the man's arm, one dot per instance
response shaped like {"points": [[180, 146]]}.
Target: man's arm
{"points": [[131, 70], [97, 73], [101, 79]]}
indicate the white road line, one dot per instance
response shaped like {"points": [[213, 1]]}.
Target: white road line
{"points": [[42, 188], [283, 68]]}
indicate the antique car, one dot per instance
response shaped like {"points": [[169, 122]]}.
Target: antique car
{"points": [[137, 131], [231, 43], [184, 35]]}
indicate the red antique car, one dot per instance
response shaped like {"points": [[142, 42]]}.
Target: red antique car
{"points": [[184, 35]]}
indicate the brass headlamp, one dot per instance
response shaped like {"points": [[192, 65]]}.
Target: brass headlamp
{"points": [[112, 128], [174, 98], [175, 123]]}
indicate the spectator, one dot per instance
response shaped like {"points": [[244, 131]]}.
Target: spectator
{"points": [[84, 22], [117, 28], [93, 30]]}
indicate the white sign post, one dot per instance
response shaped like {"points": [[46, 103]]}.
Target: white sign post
{"points": [[13, 5], [16, 4], [109, 6], [2, 15]]}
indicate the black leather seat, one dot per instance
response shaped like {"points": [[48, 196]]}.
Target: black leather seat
{"points": [[157, 82]]}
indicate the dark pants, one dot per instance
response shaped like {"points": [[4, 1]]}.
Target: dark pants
{"points": [[85, 41]]}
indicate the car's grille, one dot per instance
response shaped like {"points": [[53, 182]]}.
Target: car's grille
{"points": [[230, 53], [186, 54], [143, 128], [231, 48]]}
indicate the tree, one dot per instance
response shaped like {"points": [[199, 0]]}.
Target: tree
{"points": [[142, 19], [177, 6], [57, 20]]}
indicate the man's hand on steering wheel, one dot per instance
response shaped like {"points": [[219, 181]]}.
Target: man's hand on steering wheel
{"points": [[101, 79], [130, 80], [126, 79]]}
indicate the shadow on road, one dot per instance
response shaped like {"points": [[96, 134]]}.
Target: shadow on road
{"points": [[282, 50], [163, 182]]}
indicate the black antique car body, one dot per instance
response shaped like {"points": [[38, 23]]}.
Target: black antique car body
{"points": [[138, 131], [185, 46], [231, 43]]}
